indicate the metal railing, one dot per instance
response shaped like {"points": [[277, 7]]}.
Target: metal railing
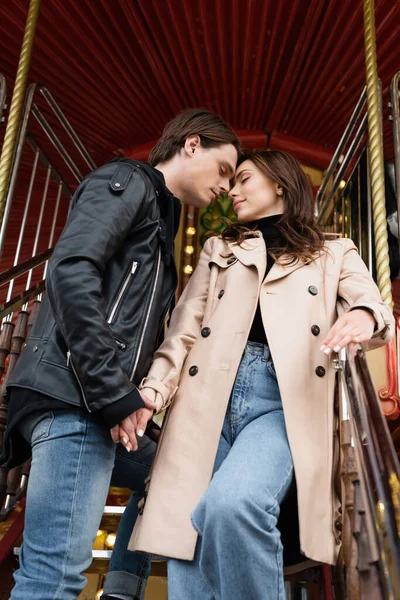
{"points": [[395, 117], [342, 159], [3, 96], [371, 485], [31, 108], [37, 203]]}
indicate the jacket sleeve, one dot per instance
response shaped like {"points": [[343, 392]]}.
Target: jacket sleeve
{"points": [[163, 379], [357, 289], [101, 218]]}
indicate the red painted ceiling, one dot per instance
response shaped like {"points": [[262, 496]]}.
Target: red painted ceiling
{"points": [[120, 69]]}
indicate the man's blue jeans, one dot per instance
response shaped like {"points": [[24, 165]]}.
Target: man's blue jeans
{"points": [[239, 551], [72, 462]]}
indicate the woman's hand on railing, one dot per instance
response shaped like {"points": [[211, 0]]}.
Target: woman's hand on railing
{"points": [[355, 326]]}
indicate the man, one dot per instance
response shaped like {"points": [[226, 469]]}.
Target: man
{"points": [[110, 283]]}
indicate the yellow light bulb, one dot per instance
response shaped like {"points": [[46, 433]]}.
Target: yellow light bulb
{"points": [[110, 540], [189, 249], [190, 231], [188, 269]]}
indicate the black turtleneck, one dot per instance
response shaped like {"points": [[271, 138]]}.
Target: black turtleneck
{"points": [[273, 239]]}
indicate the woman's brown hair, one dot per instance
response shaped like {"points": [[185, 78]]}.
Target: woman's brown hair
{"points": [[302, 238]]}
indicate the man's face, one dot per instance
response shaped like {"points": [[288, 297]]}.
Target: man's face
{"points": [[207, 173]]}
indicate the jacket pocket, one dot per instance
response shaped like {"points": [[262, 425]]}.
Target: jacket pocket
{"points": [[121, 293]]}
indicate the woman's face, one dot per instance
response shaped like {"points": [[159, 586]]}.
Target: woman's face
{"points": [[255, 195]]}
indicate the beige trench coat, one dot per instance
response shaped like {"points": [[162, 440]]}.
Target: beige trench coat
{"points": [[197, 368]]}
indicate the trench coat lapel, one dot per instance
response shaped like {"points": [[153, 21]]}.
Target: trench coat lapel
{"points": [[281, 270], [251, 253]]}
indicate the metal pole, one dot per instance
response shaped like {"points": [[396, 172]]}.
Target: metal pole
{"points": [[68, 128], [39, 224], [369, 214], [3, 96], [344, 139], [23, 223], [376, 153], [17, 102], [15, 166], [53, 227], [394, 95]]}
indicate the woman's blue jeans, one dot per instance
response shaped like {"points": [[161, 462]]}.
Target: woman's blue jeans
{"points": [[239, 553]]}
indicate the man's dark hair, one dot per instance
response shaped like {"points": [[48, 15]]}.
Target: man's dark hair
{"points": [[210, 128]]}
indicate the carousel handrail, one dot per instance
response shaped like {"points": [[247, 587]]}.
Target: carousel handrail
{"points": [[24, 267], [15, 167], [343, 141], [29, 107], [67, 126], [3, 95], [394, 105], [55, 140], [21, 299], [380, 467], [326, 208]]}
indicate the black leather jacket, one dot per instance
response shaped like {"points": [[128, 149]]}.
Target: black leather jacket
{"points": [[110, 282]]}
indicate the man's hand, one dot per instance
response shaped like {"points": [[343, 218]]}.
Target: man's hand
{"points": [[355, 326], [125, 431], [144, 414]]}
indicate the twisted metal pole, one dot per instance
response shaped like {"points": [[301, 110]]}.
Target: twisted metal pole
{"points": [[17, 103], [376, 155]]}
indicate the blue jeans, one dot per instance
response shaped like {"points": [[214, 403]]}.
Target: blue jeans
{"points": [[128, 571], [239, 552], [72, 462]]}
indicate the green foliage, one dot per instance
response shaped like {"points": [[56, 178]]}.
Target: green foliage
{"points": [[212, 218]]}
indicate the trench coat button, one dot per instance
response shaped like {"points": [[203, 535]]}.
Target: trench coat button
{"points": [[231, 260], [205, 332], [222, 292], [313, 290], [35, 348], [315, 330], [320, 371], [193, 370]]}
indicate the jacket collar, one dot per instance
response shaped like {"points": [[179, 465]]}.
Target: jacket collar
{"points": [[253, 252]]}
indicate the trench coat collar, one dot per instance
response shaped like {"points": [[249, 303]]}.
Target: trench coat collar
{"points": [[253, 252]]}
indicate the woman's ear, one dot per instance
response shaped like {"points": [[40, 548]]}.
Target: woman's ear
{"points": [[279, 190]]}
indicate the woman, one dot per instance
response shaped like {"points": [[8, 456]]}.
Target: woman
{"points": [[249, 353]]}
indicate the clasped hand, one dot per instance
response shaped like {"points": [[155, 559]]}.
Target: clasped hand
{"points": [[134, 425]]}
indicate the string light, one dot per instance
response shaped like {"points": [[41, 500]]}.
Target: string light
{"points": [[189, 250], [188, 269], [190, 231]]}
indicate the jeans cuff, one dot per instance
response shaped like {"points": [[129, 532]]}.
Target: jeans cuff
{"points": [[122, 582]]}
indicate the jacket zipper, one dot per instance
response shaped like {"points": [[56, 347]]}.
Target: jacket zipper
{"points": [[121, 292], [69, 361], [153, 292], [109, 320]]}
